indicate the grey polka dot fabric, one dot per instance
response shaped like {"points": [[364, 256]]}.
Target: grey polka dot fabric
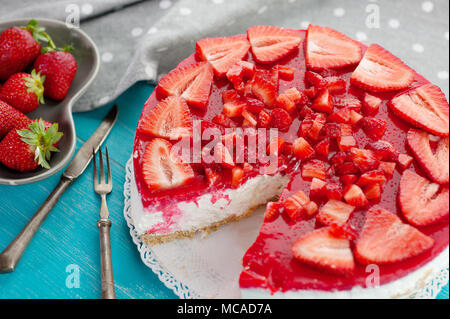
{"points": [[142, 40]]}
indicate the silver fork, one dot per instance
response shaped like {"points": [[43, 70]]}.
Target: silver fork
{"points": [[104, 224]]}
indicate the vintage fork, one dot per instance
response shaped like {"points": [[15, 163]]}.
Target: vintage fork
{"points": [[104, 224]]}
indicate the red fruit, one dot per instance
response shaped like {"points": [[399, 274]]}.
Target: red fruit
{"points": [[251, 119], [311, 93], [346, 141], [371, 104], [373, 127], [323, 147], [170, 119], [19, 47], [384, 239], [317, 126], [254, 106], [286, 73], [296, 96], [329, 49], [334, 191], [321, 249], [336, 85], [302, 149], [381, 71], [284, 102], [26, 149], [223, 53], [405, 161], [10, 118], [341, 116], [59, 69], [323, 102], [271, 44], [280, 119], [212, 176], [335, 211], [222, 156], [163, 169], [295, 205], [233, 105], [332, 130], [275, 146], [192, 82], [388, 168], [355, 117], [224, 121], [425, 107], [348, 179], [373, 192], [365, 160], [339, 158], [429, 203], [23, 91], [314, 169], [343, 231], [238, 72], [355, 196], [237, 177], [264, 119], [348, 103], [372, 177], [315, 80], [265, 91], [347, 168], [434, 164], [318, 189], [272, 212], [383, 150]]}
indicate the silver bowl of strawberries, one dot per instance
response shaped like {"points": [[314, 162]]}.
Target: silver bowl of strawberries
{"points": [[45, 66]]}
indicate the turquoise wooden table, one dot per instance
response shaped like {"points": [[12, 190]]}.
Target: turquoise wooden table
{"points": [[68, 243]]}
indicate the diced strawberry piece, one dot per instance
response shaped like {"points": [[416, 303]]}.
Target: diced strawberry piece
{"points": [[295, 205], [388, 168], [425, 107], [373, 192], [341, 116], [280, 119], [284, 102], [265, 91], [347, 168], [383, 150], [315, 80], [250, 118], [222, 156], [237, 176], [306, 124], [212, 176], [339, 158], [329, 49], [372, 177], [405, 161], [233, 105], [296, 96], [373, 127], [323, 147], [302, 149], [311, 209], [247, 167], [355, 196], [311, 92], [170, 119], [336, 85], [163, 169], [348, 179], [422, 202], [318, 189], [436, 164], [286, 73], [255, 106], [247, 67], [365, 160], [239, 72], [317, 126], [371, 104], [314, 168], [275, 76], [271, 44], [264, 119], [223, 53], [223, 120], [346, 130], [321, 249], [347, 103], [384, 239], [334, 191], [323, 102], [355, 117], [346, 141], [381, 71], [335, 211], [192, 82], [275, 146], [333, 130], [343, 231], [272, 212]]}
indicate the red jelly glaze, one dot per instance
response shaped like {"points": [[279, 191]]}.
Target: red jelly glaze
{"points": [[269, 263]]}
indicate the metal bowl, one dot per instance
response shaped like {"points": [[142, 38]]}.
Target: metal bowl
{"points": [[87, 57]]}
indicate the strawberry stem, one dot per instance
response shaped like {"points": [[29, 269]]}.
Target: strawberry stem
{"points": [[35, 84], [39, 33]]}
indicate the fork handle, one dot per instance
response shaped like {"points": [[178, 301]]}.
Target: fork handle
{"points": [[10, 257], [108, 290]]}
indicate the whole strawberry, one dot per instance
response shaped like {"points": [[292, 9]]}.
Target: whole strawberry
{"points": [[59, 68], [19, 46], [26, 149], [24, 91], [11, 118]]}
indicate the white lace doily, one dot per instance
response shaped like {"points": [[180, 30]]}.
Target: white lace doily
{"points": [[211, 279]]}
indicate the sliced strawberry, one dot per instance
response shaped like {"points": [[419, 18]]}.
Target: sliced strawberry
{"points": [[302, 149], [264, 119], [163, 169], [365, 160], [381, 71], [334, 191], [373, 127], [372, 177], [321, 249], [272, 212], [383, 150], [434, 164], [223, 53], [428, 205], [280, 119], [347, 102], [314, 169], [425, 107], [271, 44], [388, 168], [384, 239], [373, 192], [192, 82], [170, 119], [329, 49], [286, 73], [405, 161], [265, 91], [355, 196], [323, 102], [237, 177], [335, 211], [295, 205], [371, 104], [323, 147], [318, 189]]}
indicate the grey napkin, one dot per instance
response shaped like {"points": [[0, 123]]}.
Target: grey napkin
{"points": [[142, 40]]}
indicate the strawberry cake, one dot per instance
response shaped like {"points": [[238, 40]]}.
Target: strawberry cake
{"points": [[346, 145]]}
